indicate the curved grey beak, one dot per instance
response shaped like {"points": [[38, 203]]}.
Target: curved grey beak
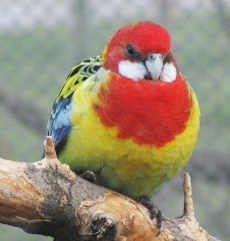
{"points": [[154, 65]]}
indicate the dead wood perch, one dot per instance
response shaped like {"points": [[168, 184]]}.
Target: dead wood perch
{"points": [[47, 198]]}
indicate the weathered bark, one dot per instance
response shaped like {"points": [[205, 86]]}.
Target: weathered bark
{"points": [[47, 198]]}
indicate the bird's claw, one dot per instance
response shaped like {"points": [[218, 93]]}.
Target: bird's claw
{"points": [[89, 176], [154, 211]]}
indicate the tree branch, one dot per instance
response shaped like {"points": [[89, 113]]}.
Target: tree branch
{"points": [[47, 198]]}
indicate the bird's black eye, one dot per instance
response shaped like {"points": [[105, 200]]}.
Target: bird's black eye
{"points": [[130, 49], [131, 52]]}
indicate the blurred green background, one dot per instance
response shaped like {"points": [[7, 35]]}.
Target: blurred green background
{"points": [[41, 40]]}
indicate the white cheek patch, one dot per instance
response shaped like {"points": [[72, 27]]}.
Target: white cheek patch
{"points": [[168, 73], [135, 71]]}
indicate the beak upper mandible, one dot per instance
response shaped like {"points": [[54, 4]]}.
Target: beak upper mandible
{"points": [[154, 65]]}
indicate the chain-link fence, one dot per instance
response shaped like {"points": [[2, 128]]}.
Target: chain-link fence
{"points": [[41, 40]]}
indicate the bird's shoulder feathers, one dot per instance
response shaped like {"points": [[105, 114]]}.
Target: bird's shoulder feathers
{"points": [[59, 124]]}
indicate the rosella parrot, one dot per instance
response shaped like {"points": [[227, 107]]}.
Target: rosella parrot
{"points": [[128, 114]]}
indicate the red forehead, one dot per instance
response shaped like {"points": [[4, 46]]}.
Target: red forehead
{"points": [[145, 36]]}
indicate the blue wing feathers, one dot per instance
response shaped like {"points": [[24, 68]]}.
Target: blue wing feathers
{"points": [[59, 124]]}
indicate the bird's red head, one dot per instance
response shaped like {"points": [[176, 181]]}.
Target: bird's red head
{"points": [[137, 43]]}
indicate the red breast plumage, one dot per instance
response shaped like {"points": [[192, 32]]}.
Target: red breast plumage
{"points": [[147, 112]]}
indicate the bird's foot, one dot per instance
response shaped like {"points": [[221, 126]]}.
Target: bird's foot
{"points": [[89, 176], [154, 211]]}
